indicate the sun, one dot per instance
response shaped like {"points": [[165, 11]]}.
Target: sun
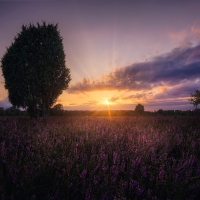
{"points": [[107, 102]]}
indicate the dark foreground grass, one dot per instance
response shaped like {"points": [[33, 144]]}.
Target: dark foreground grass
{"points": [[100, 158]]}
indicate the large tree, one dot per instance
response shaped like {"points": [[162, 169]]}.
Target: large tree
{"points": [[34, 68], [195, 98]]}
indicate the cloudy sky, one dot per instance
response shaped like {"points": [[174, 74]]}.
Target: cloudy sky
{"points": [[120, 52]]}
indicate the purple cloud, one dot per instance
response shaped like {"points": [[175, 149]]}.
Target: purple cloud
{"points": [[176, 67], [181, 91]]}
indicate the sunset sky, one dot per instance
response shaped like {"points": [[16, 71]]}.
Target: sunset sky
{"points": [[120, 52]]}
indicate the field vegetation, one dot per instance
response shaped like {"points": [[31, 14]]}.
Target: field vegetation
{"points": [[99, 158]]}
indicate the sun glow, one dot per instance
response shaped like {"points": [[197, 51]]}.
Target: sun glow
{"points": [[107, 102]]}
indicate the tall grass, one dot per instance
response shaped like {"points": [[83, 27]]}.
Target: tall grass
{"points": [[100, 158]]}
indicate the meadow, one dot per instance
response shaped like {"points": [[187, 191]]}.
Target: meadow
{"points": [[99, 158]]}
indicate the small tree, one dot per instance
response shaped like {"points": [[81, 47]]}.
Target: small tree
{"points": [[160, 112], [57, 110], [2, 111], [13, 111], [195, 98], [58, 106], [139, 109], [34, 69]]}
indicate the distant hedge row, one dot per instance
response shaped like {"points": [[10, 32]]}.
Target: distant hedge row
{"points": [[13, 111]]}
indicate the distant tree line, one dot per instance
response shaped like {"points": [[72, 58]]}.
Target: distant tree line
{"points": [[58, 110], [12, 111]]}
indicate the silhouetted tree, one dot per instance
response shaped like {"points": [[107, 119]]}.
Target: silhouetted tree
{"points": [[195, 98], [58, 106], [139, 109], [2, 111], [34, 68], [160, 111], [57, 110], [13, 111]]}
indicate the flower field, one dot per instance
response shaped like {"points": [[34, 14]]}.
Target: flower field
{"points": [[99, 158]]}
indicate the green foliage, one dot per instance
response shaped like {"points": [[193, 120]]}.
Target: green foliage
{"points": [[139, 109], [34, 68], [195, 98]]}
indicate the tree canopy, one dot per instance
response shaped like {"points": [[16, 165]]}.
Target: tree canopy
{"points": [[195, 98], [34, 68], [139, 109]]}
